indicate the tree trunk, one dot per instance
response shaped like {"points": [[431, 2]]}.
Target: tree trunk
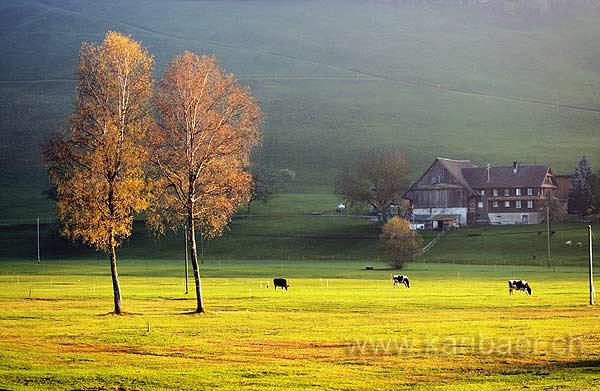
{"points": [[185, 234], [194, 257], [115, 276], [383, 216], [386, 211]]}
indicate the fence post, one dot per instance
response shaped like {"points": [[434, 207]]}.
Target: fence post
{"points": [[38, 240], [591, 265]]}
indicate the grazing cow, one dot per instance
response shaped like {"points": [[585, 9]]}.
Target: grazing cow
{"points": [[401, 279], [519, 285], [280, 282]]}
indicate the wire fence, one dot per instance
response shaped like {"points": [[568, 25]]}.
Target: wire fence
{"points": [[19, 240], [54, 220], [453, 234], [31, 221]]}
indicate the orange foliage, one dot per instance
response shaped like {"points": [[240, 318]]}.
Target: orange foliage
{"points": [[96, 165], [207, 126], [401, 243]]}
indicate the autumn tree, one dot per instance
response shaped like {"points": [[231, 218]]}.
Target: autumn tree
{"points": [[96, 165], [377, 178], [206, 128], [554, 208], [401, 244]]}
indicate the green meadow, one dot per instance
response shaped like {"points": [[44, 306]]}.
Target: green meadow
{"points": [[337, 327], [301, 226]]}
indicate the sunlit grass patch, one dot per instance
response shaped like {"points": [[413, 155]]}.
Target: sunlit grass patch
{"points": [[456, 327]]}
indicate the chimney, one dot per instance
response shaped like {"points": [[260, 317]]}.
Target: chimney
{"points": [[515, 167], [488, 172]]}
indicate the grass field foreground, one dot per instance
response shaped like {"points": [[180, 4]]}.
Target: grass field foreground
{"points": [[338, 327]]}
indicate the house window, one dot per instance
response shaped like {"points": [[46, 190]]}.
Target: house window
{"points": [[529, 191], [517, 191], [506, 192], [480, 204], [518, 204], [495, 192], [495, 204], [529, 204], [507, 204]]}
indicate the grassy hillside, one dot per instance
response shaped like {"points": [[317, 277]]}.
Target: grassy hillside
{"points": [[338, 327], [333, 78], [281, 231]]}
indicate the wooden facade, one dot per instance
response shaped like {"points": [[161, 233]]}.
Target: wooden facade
{"points": [[481, 195], [439, 188]]}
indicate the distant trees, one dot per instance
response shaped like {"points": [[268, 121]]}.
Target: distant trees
{"points": [[554, 208], [286, 175], [596, 192], [267, 180], [401, 244], [377, 178], [581, 192], [263, 183], [97, 165], [206, 127]]}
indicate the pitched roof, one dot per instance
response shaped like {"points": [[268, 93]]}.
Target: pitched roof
{"points": [[456, 167], [526, 176], [471, 177]]}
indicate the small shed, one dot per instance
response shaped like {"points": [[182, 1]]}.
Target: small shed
{"points": [[446, 221], [438, 221]]}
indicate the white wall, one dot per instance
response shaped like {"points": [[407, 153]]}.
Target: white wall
{"points": [[513, 218]]}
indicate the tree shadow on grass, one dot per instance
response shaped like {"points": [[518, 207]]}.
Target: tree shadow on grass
{"points": [[123, 313], [192, 313], [44, 299], [374, 269], [588, 365], [179, 298]]}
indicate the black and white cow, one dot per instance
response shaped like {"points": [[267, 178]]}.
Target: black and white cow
{"points": [[400, 279], [280, 282], [519, 285]]}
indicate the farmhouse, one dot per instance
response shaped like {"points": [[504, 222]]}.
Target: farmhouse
{"points": [[457, 192], [564, 186]]}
